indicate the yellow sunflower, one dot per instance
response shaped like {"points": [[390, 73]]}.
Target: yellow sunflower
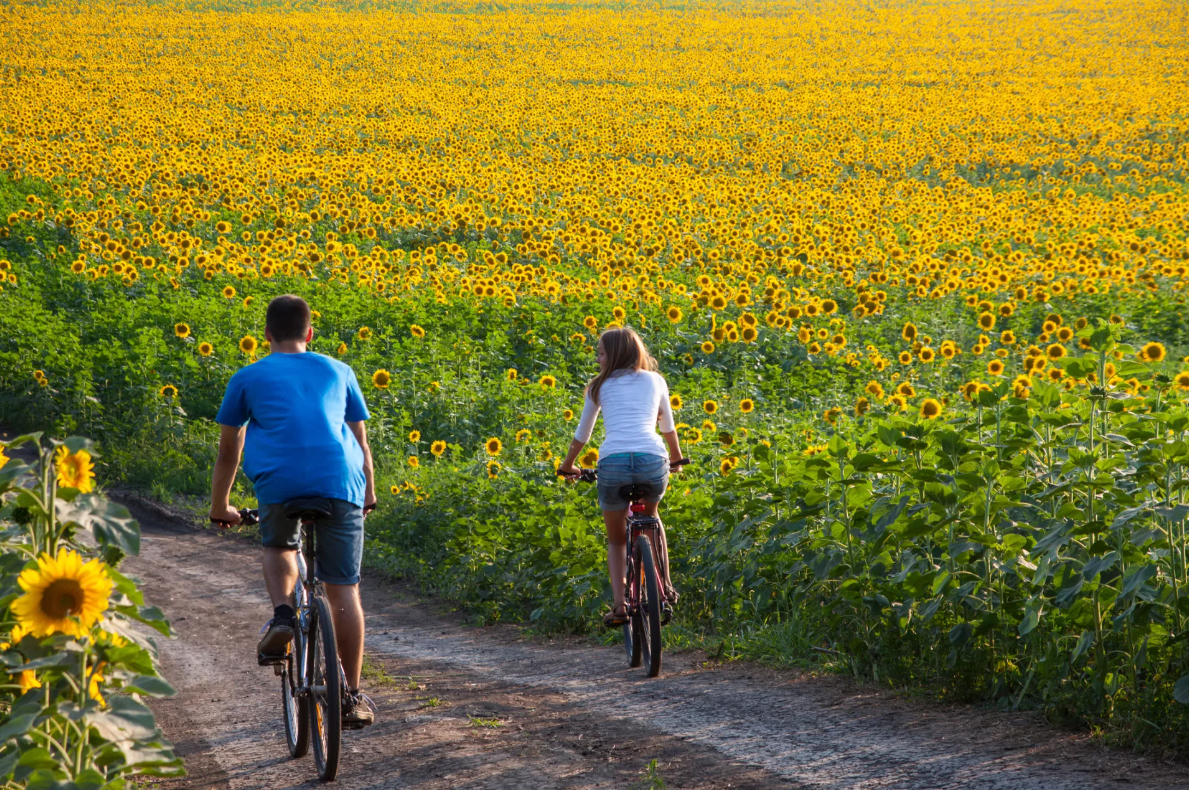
{"points": [[930, 409], [675, 402], [709, 406], [248, 344], [62, 595], [1152, 352], [364, 333], [75, 470], [181, 330], [493, 469], [548, 382], [707, 347], [205, 349], [414, 461], [437, 448], [493, 446], [414, 436], [229, 292], [381, 379], [746, 406], [568, 414], [674, 314], [416, 331], [589, 458], [1182, 381], [169, 391]]}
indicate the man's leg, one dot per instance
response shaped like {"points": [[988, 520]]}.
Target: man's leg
{"points": [[347, 611], [280, 574]]}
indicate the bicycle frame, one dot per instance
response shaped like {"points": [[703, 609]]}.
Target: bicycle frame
{"points": [[638, 524], [304, 590]]}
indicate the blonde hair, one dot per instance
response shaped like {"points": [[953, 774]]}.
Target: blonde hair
{"points": [[625, 351]]}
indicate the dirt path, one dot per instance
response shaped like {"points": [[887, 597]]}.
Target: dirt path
{"points": [[569, 715]]}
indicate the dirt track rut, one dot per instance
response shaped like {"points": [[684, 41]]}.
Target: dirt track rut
{"points": [[570, 715]]}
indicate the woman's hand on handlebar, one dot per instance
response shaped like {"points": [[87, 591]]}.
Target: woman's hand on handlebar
{"points": [[675, 466], [570, 472]]}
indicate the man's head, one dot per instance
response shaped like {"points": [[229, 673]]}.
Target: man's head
{"points": [[288, 318]]}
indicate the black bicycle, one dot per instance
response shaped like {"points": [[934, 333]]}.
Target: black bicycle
{"points": [[312, 677], [644, 598]]}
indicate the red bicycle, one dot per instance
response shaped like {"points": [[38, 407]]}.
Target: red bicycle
{"points": [[643, 596]]}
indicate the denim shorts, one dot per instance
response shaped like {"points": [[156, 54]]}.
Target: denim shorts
{"points": [[338, 540], [642, 469]]}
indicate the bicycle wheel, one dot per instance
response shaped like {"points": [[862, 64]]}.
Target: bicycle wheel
{"points": [[641, 650], [295, 707], [326, 723], [650, 605]]}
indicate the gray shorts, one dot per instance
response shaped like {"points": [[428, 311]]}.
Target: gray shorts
{"points": [[338, 540], [642, 469]]}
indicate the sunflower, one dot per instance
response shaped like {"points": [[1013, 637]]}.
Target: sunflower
{"points": [[1007, 337], [693, 436], [986, 321], [589, 458], [709, 406], [862, 405], [930, 409], [829, 306], [725, 467], [364, 333], [675, 402], [548, 382], [62, 595], [899, 402], [1152, 352], [414, 436], [746, 406], [342, 349], [995, 367], [205, 349], [248, 344], [905, 357], [169, 391], [416, 331], [493, 469], [568, 414], [874, 388], [1055, 351], [394, 489], [3, 458], [229, 292], [28, 680], [181, 330], [493, 446], [749, 334], [75, 470], [590, 322], [438, 448], [909, 332], [707, 347], [674, 314], [381, 379], [906, 390], [414, 461], [926, 354], [523, 436], [831, 415]]}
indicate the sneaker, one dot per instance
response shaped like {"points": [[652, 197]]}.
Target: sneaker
{"points": [[358, 710], [278, 633]]}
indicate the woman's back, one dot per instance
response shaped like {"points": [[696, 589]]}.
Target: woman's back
{"points": [[631, 402]]}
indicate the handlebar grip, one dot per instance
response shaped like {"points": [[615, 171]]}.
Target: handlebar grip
{"points": [[682, 462]]}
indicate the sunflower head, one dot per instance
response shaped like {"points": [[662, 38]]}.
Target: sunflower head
{"points": [[674, 314], [709, 406], [589, 458], [75, 470], [229, 292], [248, 344], [62, 595], [746, 406], [707, 347], [414, 436], [414, 461], [181, 330], [548, 382], [493, 446], [169, 392], [930, 409], [909, 332], [1152, 352], [568, 414], [493, 469], [364, 333], [205, 349], [675, 402], [437, 448], [381, 379], [416, 331]]}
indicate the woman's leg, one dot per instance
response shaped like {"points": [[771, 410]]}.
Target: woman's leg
{"points": [[650, 509], [617, 551]]}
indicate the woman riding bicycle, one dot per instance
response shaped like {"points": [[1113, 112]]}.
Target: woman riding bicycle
{"points": [[633, 398]]}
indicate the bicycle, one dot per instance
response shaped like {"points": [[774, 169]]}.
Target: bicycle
{"points": [[312, 706], [643, 596]]}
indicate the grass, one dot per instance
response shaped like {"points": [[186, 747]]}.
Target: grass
{"points": [[374, 673], [479, 722]]}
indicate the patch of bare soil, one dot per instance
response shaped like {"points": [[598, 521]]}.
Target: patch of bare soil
{"points": [[462, 707]]}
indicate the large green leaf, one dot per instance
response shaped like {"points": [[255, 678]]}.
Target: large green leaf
{"points": [[109, 522], [1180, 691]]}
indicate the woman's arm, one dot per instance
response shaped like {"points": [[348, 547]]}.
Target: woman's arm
{"points": [[567, 467], [674, 445], [586, 423]]}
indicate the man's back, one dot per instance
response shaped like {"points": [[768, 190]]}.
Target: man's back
{"points": [[297, 407]]}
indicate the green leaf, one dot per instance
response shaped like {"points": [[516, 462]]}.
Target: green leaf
{"points": [[1180, 691], [111, 523], [38, 758], [1084, 644], [153, 686], [17, 726], [960, 634], [125, 719]]}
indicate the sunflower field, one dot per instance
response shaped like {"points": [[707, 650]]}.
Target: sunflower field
{"points": [[915, 275]]}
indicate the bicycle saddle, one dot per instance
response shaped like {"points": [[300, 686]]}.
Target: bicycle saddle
{"points": [[634, 492], [308, 508]]}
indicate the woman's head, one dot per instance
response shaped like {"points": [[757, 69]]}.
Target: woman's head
{"points": [[619, 349]]}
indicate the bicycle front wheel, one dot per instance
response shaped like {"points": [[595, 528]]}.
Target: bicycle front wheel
{"points": [[326, 722], [650, 606]]}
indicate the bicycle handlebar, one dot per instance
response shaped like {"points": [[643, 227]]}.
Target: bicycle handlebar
{"points": [[591, 475], [250, 517]]}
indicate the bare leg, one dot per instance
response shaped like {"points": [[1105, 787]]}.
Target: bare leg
{"points": [[347, 612], [650, 509], [280, 574], [617, 551]]}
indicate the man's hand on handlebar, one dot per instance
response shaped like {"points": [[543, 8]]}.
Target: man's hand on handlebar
{"points": [[225, 516]]}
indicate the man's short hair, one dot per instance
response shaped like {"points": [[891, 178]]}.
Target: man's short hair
{"points": [[288, 318]]}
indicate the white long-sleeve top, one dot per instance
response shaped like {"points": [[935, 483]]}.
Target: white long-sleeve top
{"points": [[633, 402]]}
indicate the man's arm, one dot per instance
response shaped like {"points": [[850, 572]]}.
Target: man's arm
{"points": [[231, 445], [360, 431]]}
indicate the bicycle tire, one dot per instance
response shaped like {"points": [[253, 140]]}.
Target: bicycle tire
{"points": [[650, 605], [326, 717], [295, 707]]}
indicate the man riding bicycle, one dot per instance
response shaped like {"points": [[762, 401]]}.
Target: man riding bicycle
{"points": [[298, 417]]}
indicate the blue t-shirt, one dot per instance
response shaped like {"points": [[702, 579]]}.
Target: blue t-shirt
{"points": [[297, 407]]}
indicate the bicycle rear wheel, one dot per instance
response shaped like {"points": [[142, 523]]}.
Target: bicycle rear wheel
{"points": [[295, 707], [650, 606], [325, 706]]}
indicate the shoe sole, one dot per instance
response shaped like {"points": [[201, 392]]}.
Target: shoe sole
{"points": [[357, 725]]}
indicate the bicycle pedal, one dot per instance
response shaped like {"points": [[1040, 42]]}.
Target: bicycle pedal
{"points": [[270, 661]]}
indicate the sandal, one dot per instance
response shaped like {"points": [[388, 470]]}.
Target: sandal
{"points": [[615, 618]]}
